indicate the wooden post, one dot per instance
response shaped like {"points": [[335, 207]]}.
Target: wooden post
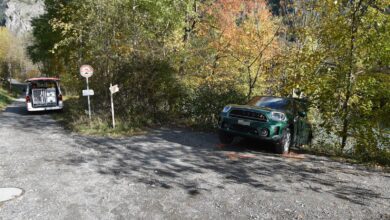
{"points": [[112, 107]]}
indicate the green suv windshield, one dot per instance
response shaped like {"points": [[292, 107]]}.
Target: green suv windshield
{"points": [[270, 102]]}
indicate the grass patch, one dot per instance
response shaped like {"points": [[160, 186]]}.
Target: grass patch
{"points": [[75, 118], [5, 99]]}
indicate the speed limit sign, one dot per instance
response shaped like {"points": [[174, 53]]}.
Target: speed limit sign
{"points": [[86, 71]]}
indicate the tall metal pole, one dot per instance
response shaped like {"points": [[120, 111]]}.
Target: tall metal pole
{"points": [[112, 108], [89, 101]]}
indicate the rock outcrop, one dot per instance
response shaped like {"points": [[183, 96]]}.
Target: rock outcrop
{"points": [[17, 14]]}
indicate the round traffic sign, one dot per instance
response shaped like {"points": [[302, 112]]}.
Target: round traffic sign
{"points": [[86, 71]]}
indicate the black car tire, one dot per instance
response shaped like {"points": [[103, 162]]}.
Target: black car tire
{"points": [[310, 138], [225, 138], [284, 144]]}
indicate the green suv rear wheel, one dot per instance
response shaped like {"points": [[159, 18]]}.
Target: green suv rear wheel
{"points": [[283, 146]]}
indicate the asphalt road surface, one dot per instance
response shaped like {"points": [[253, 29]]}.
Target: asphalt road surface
{"points": [[173, 174]]}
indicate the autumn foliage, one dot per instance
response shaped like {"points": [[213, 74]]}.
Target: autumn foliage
{"points": [[183, 60]]}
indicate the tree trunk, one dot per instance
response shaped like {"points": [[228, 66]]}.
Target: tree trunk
{"points": [[190, 23], [250, 84], [345, 108]]}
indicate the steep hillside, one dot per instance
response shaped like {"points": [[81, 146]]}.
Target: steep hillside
{"points": [[3, 6]]}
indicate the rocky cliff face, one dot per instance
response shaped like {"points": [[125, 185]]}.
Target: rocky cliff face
{"points": [[3, 6], [16, 15]]}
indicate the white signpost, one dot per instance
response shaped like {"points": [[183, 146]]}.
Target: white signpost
{"points": [[88, 92], [113, 89], [86, 71]]}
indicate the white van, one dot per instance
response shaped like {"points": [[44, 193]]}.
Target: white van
{"points": [[43, 94]]}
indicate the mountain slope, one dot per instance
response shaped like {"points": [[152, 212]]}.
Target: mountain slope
{"points": [[17, 14]]}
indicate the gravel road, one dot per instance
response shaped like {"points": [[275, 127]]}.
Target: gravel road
{"points": [[173, 174]]}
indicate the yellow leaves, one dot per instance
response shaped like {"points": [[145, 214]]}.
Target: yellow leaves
{"points": [[249, 31], [65, 28], [242, 34], [11, 48], [4, 42]]}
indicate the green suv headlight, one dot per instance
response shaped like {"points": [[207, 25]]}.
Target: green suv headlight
{"points": [[226, 109], [278, 116]]}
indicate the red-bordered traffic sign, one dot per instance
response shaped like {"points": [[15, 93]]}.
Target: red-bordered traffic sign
{"points": [[86, 71]]}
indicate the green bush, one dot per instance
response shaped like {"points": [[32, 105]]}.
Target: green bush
{"points": [[5, 99], [149, 91], [203, 104], [373, 146]]}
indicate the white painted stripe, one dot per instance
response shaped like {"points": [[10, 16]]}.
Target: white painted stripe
{"points": [[9, 193]]}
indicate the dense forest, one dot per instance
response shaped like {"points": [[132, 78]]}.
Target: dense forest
{"points": [[181, 61]]}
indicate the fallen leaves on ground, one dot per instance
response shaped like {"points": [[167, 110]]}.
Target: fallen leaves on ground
{"points": [[293, 155], [236, 156], [221, 146]]}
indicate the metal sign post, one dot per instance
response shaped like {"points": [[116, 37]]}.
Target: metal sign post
{"points": [[89, 102], [113, 89], [87, 71]]}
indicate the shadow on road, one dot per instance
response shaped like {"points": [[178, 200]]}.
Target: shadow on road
{"points": [[18, 108], [192, 161], [16, 116]]}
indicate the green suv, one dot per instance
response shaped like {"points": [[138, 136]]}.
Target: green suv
{"points": [[282, 121]]}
